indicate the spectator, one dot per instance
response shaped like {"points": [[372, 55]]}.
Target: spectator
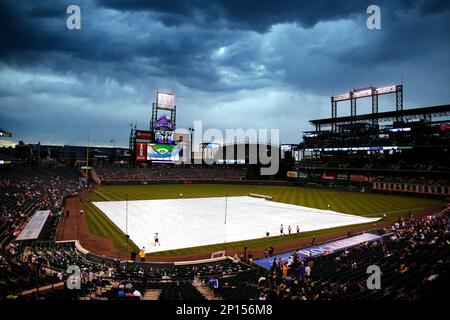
{"points": [[142, 254], [301, 271], [136, 293]]}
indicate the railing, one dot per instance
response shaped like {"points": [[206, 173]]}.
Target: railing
{"points": [[403, 187]]}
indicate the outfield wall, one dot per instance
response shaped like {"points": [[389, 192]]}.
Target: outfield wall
{"points": [[199, 181]]}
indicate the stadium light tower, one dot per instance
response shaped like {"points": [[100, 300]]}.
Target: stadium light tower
{"points": [[126, 214], [191, 131], [225, 223], [127, 236], [87, 160]]}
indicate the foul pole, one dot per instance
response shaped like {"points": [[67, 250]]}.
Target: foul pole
{"points": [[87, 159]]}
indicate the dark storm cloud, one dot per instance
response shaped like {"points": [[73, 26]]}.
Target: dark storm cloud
{"points": [[231, 63], [413, 31], [184, 53], [35, 35], [261, 15], [242, 14]]}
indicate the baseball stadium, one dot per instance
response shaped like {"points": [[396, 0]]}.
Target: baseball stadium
{"points": [[224, 224], [357, 208]]}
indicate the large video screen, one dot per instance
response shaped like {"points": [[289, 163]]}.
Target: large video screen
{"points": [[164, 137], [163, 123], [165, 100], [163, 153]]}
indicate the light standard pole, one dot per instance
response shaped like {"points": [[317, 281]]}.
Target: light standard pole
{"points": [[225, 222], [126, 214], [126, 226], [87, 160], [191, 130], [113, 142]]}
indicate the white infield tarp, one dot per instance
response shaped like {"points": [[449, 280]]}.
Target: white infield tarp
{"points": [[184, 223]]}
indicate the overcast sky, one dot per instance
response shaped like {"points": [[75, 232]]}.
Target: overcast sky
{"points": [[232, 64]]}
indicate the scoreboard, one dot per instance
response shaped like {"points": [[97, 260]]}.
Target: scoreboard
{"points": [[157, 147]]}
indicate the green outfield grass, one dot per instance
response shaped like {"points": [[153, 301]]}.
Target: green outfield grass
{"points": [[364, 204]]}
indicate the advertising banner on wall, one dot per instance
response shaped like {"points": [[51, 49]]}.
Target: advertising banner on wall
{"points": [[358, 178], [342, 176], [292, 174], [328, 176], [302, 175], [144, 134], [230, 161], [141, 151]]}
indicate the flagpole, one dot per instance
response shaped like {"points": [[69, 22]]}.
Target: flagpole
{"points": [[126, 215], [126, 227], [87, 159]]}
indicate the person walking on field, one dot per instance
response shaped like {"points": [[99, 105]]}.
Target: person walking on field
{"points": [[157, 239]]}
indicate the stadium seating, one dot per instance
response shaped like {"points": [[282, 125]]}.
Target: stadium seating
{"points": [[410, 258], [24, 190], [413, 257], [176, 172]]}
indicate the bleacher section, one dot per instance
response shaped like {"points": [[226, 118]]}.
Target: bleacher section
{"points": [[177, 172], [23, 190], [413, 256], [409, 148]]}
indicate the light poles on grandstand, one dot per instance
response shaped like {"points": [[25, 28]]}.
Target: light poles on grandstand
{"points": [[127, 236], [225, 223], [87, 159], [191, 131], [113, 142], [126, 214]]}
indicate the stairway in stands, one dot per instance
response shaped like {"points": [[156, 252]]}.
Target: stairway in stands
{"points": [[204, 290], [151, 294]]}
